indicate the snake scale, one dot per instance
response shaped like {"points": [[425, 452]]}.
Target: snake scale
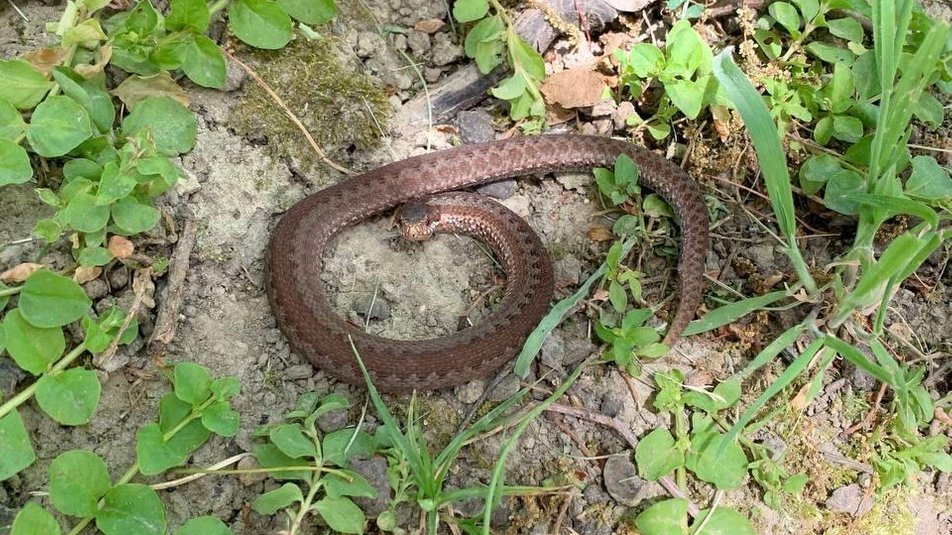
{"points": [[315, 331]]}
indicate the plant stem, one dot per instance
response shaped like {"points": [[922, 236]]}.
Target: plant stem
{"points": [[10, 291], [501, 11], [306, 504], [218, 6]]}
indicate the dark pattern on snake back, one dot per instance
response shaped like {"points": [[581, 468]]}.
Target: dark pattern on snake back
{"points": [[317, 332]]}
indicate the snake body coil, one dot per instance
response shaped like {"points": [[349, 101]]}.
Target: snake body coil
{"points": [[317, 332]]}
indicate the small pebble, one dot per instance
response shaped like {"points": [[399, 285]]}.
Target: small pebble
{"points": [[622, 481]]}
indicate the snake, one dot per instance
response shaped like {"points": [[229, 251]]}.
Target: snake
{"points": [[425, 186]]}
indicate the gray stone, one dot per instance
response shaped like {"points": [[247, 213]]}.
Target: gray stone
{"points": [[119, 277], [235, 76], [761, 255], [471, 392], [620, 117], [475, 126], [333, 420], [298, 371], [499, 190], [368, 43], [506, 388], [574, 181], [568, 271], [445, 51], [850, 499], [418, 42], [622, 481], [613, 402], [379, 307], [96, 289], [374, 471], [248, 479]]}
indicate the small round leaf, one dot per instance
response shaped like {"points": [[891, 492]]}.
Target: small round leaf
{"points": [[58, 125], [78, 479], [33, 519], [131, 508], [204, 525], [14, 163], [260, 23], [51, 300], [33, 348], [69, 397], [172, 124]]}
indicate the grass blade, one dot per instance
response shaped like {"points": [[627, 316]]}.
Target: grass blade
{"points": [[729, 313]]}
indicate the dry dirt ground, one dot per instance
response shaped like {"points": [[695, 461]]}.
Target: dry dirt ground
{"points": [[243, 173]]}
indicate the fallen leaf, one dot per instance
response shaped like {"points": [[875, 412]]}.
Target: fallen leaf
{"points": [[429, 25], [84, 274], [136, 88], [120, 247], [46, 58], [574, 88], [20, 272], [599, 234], [103, 55]]}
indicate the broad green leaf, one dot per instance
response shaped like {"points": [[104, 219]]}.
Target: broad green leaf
{"points": [[929, 109], [668, 517], [290, 439], [929, 180], [723, 521], [787, 16], [81, 168], [192, 15], [341, 445], [847, 28], [87, 33], [221, 419], [12, 125], [470, 10], [156, 455], [687, 96], [78, 479], [114, 184], [809, 8], [14, 163], [204, 63], [717, 460], [510, 88], [338, 485], [203, 525], [525, 56], [51, 300], [58, 125], [172, 411], [341, 514], [830, 54], [225, 388], [847, 128], [260, 23], [815, 172], [34, 520], [32, 348], [133, 217], [269, 456], [131, 508], [21, 84], [656, 455], [192, 383], [48, 230], [85, 214], [172, 124], [839, 189], [273, 501], [646, 60], [16, 452], [310, 11], [69, 397], [731, 312]]}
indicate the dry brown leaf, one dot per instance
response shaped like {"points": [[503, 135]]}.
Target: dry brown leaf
{"points": [[574, 88], [20, 272], [84, 274], [136, 88], [46, 58], [429, 25], [103, 55], [120, 247], [599, 234]]}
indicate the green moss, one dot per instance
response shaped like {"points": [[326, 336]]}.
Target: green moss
{"points": [[338, 105], [890, 515]]}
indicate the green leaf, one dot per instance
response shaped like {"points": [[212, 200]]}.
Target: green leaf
{"points": [[310, 11], [22, 84], [114, 184], [723, 521], [11, 122], [172, 411], [57, 126], [525, 57], [846, 28], [133, 217], [617, 296], [260, 23], [338, 485], [33, 348], [668, 517], [34, 520], [192, 383], [78, 479], [341, 445], [847, 128], [190, 15], [14, 163], [470, 10], [928, 180], [816, 171], [69, 397], [221, 419], [830, 54], [87, 33], [341, 514], [84, 214], [510, 88], [48, 230], [646, 60], [142, 18], [131, 508], [225, 388], [929, 109], [484, 44], [290, 439], [787, 16], [656, 455], [726, 470], [204, 63], [275, 500], [16, 452], [156, 455], [51, 300], [269, 456], [172, 124], [839, 188], [94, 256], [203, 525], [809, 8]]}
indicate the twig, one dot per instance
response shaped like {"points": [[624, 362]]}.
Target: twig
{"points": [[287, 111], [208, 471], [142, 279], [166, 320], [17, 9], [870, 415]]}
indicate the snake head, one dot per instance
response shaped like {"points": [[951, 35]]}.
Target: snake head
{"points": [[417, 220]]}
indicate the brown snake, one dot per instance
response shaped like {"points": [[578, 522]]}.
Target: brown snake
{"points": [[316, 331]]}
